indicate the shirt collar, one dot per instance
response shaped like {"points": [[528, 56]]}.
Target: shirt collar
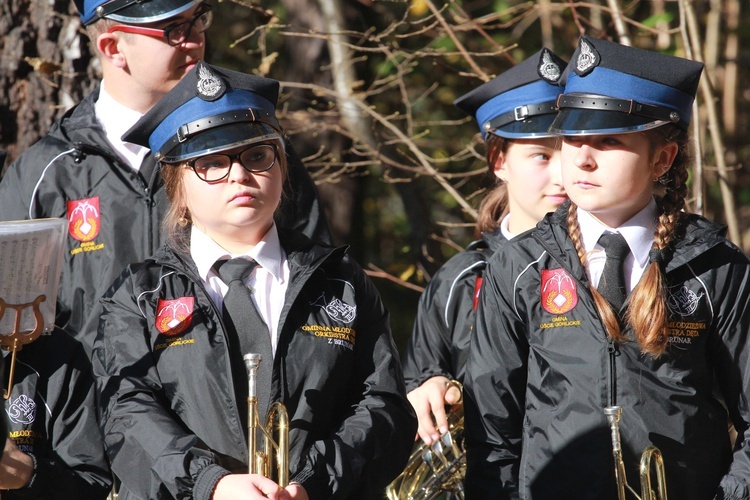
{"points": [[638, 231], [115, 117], [205, 252], [505, 227]]}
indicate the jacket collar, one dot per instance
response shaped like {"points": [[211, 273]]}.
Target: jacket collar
{"points": [[695, 236], [492, 240], [303, 254], [79, 125]]}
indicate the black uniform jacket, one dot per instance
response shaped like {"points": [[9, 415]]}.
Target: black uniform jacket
{"points": [[439, 343], [51, 414], [114, 213], [541, 370], [172, 422]]}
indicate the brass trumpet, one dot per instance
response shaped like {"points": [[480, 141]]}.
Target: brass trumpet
{"points": [[614, 413], [274, 451]]}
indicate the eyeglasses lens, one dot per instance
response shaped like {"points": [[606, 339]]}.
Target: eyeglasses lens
{"points": [[213, 168], [178, 34]]}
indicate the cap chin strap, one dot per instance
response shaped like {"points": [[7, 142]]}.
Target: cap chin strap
{"points": [[628, 106], [189, 129], [520, 113]]}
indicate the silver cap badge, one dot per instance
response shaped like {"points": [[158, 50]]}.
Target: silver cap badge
{"points": [[587, 60], [210, 86], [549, 69]]}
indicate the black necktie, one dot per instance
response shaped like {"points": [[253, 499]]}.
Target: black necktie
{"points": [[612, 281], [241, 316]]}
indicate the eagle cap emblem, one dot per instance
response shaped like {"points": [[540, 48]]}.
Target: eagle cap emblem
{"points": [[588, 58], [548, 68], [210, 86]]}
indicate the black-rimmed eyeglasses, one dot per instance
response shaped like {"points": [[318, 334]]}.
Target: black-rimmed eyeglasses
{"points": [[215, 167], [177, 34]]}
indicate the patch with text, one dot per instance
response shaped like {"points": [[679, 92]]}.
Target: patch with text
{"points": [[686, 325], [336, 335]]}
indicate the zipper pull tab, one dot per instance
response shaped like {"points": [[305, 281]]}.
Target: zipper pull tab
{"points": [[612, 347]]}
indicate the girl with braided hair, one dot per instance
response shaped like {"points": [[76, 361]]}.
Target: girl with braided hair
{"points": [[648, 311], [619, 300]]}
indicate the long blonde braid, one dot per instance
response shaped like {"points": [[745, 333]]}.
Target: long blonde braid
{"points": [[648, 314]]}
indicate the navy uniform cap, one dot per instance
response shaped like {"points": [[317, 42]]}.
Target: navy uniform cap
{"points": [[211, 109], [132, 11], [613, 88], [520, 102]]}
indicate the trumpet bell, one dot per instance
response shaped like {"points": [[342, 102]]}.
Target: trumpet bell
{"points": [[437, 469]]}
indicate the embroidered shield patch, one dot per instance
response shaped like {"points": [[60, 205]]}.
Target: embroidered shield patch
{"points": [[174, 316], [559, 291], [84, 218]]}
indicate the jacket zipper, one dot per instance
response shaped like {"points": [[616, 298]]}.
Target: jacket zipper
{"points": [[198, 283], [613, 349]]}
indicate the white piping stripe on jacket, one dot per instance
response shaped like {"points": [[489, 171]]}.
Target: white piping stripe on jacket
{"points": [[705, 289], [41, 178], [49, 410], [146, 292], [515, 283], [453, 286]]}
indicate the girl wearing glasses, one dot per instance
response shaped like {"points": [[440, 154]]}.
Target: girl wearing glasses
{"points": [[169, 355]]}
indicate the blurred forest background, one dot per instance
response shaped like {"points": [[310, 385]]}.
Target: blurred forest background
{"points": [[367, 96]]}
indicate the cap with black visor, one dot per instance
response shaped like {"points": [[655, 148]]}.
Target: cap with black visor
{"points": [[520, 103], [132, 11], [211, 110], [615, 89]]}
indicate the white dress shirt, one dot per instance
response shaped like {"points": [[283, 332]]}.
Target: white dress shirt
{"points": [[505, 227], [638, 232], [269, 279], [117, 119]]}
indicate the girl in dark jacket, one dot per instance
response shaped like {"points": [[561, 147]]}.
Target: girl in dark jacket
{"points": [[651, 318], [526, 159], [169, 354]]}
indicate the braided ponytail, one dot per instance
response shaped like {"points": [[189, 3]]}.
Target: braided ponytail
{"points": [[604, 308], [647, 313]]}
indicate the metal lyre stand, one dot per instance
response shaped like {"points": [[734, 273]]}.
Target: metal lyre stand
{"points": [[15, 341]]}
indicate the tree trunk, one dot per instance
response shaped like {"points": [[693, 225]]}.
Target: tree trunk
{"points": [[45, 68], [303, 61]]}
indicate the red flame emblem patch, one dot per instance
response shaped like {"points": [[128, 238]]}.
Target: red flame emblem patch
{"points": [[174, 316], [559, 291], [84, 218]]}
